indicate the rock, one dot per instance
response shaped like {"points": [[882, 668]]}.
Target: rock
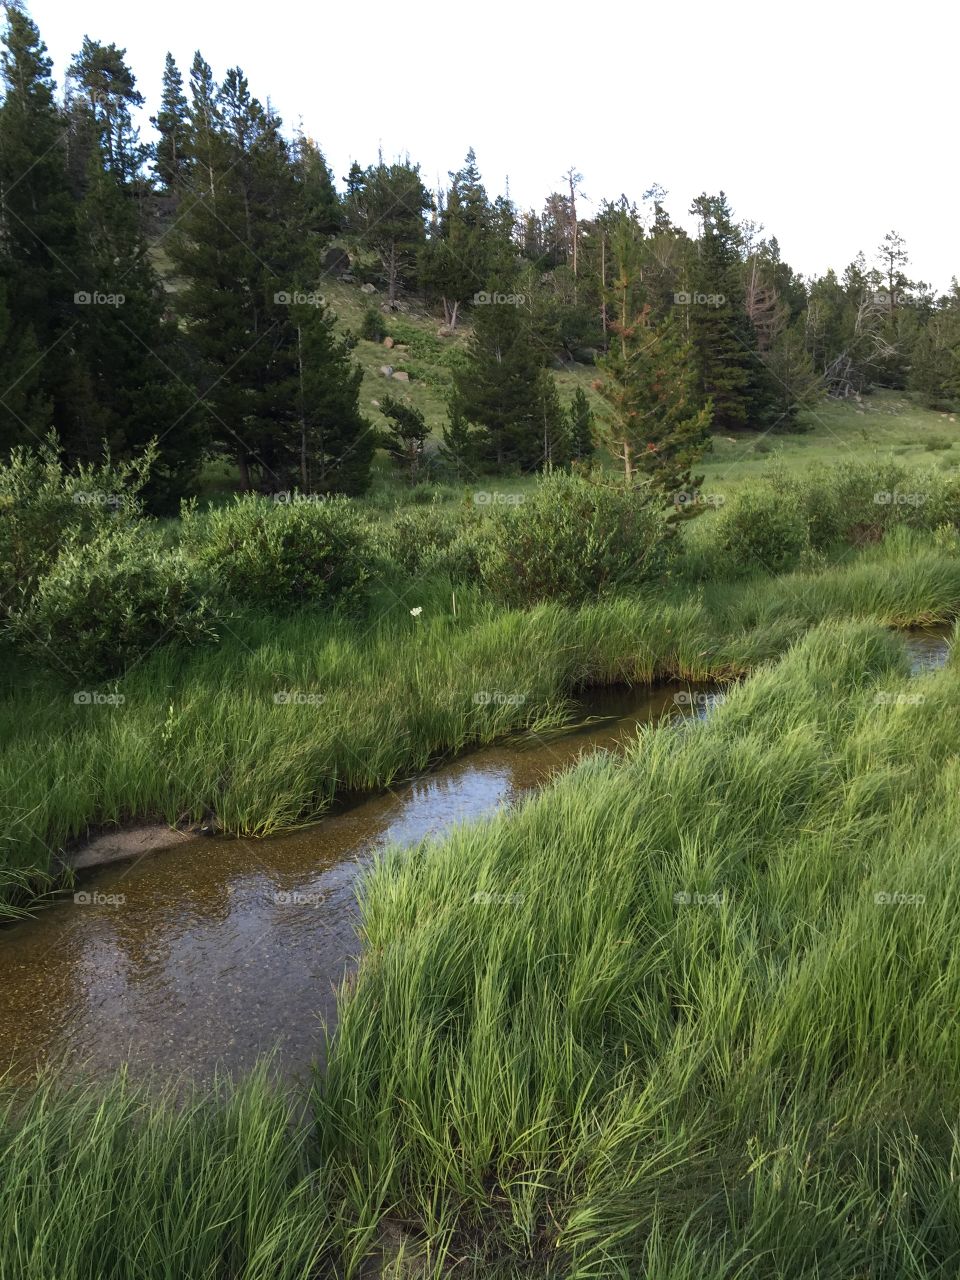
{"points": [[388, 343], [585, 355], [444, 332], [368, 288], [387, 370], [347, 278], [336, 261], [401, 377], [375, 404]]}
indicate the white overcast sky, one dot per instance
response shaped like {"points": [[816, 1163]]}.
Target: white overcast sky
{"points": [[828, 122]]}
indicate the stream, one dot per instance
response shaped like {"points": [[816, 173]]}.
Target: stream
{"points": [[217, 951]]}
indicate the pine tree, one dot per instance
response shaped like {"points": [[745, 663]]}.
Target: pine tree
{"points": [[385, 208], [99, 73], [322, 210], [458, 258], [658, 427], [406, 435], [461, 444], [340, 442], [39, 264], [497, 387], [170, 161], [580, 416], [554, 425], [731, 374]]}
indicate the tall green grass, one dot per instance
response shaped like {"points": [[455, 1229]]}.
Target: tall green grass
{"points": [[120, 1183], [201, 733], [658, 1022]]}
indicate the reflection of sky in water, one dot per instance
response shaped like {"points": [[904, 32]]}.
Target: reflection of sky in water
{"points": [[203, 963]]}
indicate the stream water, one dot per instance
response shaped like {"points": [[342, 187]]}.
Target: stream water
{"points": [[216, 951]]}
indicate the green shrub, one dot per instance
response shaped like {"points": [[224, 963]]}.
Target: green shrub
{"points": [[762, 528], [572, 539], [431, 540], [105, 603], [42, 506], [281, 555]]}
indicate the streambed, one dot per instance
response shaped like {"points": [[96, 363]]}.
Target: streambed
{"points": [[214, 952]]}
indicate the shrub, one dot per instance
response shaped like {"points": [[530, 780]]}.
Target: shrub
{"points": [[572, 539], [283, 555], [431, 540], [42, 506], [106, 603], [762, 528]]}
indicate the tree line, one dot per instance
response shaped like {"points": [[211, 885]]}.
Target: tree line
{"points": [[231, 351]]}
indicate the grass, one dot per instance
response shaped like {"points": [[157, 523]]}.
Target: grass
{"points": [[683, 1015], [203, 733], [118, 1182], [718, 1052]]}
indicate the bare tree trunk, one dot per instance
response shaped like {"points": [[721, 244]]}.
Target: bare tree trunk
{"points": [[244, 469]]}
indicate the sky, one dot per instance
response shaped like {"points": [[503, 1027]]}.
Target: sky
{"points": [[830, 123]]}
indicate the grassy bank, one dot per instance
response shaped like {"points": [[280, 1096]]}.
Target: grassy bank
{"points": [[265, 729], [724, 1049], [686, 1014]]}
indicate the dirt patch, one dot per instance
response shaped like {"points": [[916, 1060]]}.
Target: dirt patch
{"points": [[127, 842]]}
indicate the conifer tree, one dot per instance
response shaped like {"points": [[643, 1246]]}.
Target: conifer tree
{"points": [[497, 388], [580, 416], [170, 160], [406, 435]]}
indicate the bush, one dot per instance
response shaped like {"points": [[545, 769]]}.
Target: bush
{"points": [[42, 506], [283, 555], [431, 541], [573, 539], [107, 602], [762, 528]]}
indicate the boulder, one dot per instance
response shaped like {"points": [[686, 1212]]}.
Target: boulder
{"points": [[388, 343], [387, 370], [336, 261], [401, 377], [368, 288]]}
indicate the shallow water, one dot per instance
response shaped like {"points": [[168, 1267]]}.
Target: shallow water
{"points": [[217, 951]]}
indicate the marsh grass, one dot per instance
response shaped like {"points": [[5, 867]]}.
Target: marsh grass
{"points": [[678, 1033], [368, 704]]}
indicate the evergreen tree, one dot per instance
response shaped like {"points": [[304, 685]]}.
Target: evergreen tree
{"points": [[39, 267], [170, 160], [658, 425], [322, 211], [340, 441], [385, 210], [461, 444], [497, 388], [459, 255], [730, 372], [406, 435], [99, 73], [580, 416]]}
